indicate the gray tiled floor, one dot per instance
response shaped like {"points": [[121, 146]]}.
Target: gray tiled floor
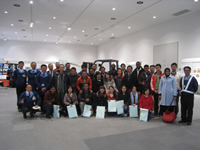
{"points": [[40, 133]]}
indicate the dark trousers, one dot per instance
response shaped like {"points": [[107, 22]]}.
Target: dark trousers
{"points": [[164, 108], [48, 107], [19, 91], [155, 103], [177, 101], [187, 103], [42, 100], [26, 109]]}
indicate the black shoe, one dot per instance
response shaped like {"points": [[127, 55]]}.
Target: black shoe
{"points": [[189, 123], [181, 121], [31, 114], [25, 116], [19, 110]]}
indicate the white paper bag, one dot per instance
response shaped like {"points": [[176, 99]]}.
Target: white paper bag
{"points": [[72, 112], [144, 114], [133, 111], [100, 112], [87, 112], [56, 113], [112, 106], [120, 109]]}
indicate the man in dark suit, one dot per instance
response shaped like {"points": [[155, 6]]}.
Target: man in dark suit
{"points": [[137, 72], [129, 78]]}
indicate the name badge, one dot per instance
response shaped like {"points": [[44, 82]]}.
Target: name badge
{"points": [[33, 98], [24, 75], [42, 84]]}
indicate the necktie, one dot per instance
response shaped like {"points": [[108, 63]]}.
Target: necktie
{"points": [[134, 98]]}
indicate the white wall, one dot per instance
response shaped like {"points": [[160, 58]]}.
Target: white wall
{"points": [[47, 52], [139, 45]]}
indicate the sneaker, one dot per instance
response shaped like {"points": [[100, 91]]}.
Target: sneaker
{"points": [[25, 116], [125, 115], [81, 115]]}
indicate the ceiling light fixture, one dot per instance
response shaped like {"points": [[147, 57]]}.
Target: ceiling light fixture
{"points": [[83, 31], [113, 8], [129, 27], [74, 37], [154, 17], [47, 35], [112, 34], [196, 0], [69, 29], [140, 2], [44, 39], [100, 39], [18, 38], [5, 12], [54, 17], [15, 32], [56, 42], [49, 28], [61, 0], [4, 39], [31, 25], [31, 2], [91, 43], [16, 5], [12, 24], [69, 41]]}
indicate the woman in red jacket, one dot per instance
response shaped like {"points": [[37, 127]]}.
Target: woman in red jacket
{"points": [[146, 101]]}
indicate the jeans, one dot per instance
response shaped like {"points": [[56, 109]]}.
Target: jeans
{"points": [[48, 107]]}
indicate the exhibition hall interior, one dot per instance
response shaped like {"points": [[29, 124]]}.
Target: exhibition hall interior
{"points": [[99, 74]]}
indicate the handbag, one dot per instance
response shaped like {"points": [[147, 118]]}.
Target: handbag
{"points": [[169, 117]]}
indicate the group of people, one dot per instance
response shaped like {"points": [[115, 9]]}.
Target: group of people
{"points": [[146, 87]]}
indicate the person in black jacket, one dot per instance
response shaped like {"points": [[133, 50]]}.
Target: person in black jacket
{"points": [[119, 79], [100, 98], [97, 82], [129, 78], [72, 79], [86, 97], [137, 72], [124, 95]]}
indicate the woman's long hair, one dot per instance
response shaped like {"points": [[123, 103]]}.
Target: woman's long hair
{"points": [[114, 93], [99, 93]]}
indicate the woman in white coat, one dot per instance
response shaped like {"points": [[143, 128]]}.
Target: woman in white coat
{"points": [[167, 92]]}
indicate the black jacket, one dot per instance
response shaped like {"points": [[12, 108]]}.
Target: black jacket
{"points": [[100, 101], [83, 96], [125, 97], [72, 81], [96, 84], [137, 77], [129, 81], [119, 81]]}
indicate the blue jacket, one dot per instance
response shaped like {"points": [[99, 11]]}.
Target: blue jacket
{"points": [[43, 81], [31, 76], [193, 86], [29, 100], [20, 77], [80, 73]]}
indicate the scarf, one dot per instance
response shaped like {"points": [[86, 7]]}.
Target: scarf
{"points": [[60, 83], [132, 97], [31, 71], [45, 75], [31, 94], [21, 71]]}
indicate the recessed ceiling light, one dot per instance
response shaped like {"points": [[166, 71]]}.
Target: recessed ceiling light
{"points": [[95, 36], [31, 25], [91, 43], [69, 29], [44, 39], [100, 39], [83, 31], [140, 2], [54, 17], [49, 28], [5, 12], [56, 42], [18, 38], [4, 39], [15, 32], [113, 8], [16, 5], [112, 34], [31, 2], [154, 17], [196, 0], [12, 24], [69, 41], [47, 35], [129, 27], [61, 0]]}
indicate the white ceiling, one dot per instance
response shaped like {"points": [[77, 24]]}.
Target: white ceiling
{"points": [[85, 15]]}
